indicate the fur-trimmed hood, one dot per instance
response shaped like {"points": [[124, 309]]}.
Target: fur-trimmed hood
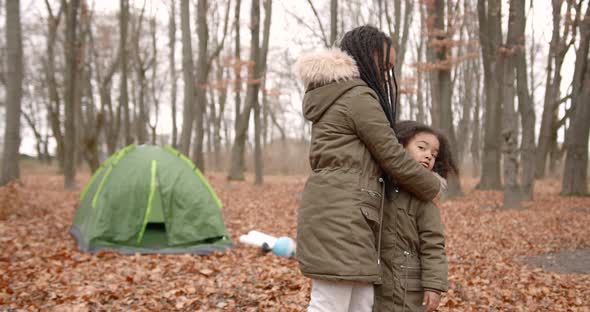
{"points": [[327, 75], [325, 66]]}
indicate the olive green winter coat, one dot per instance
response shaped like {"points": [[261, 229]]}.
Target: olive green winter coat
{"points": [[352, 144], [412, 255]]}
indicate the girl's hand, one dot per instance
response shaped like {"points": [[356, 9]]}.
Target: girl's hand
{"points": [[443, 184], [431, 301]]}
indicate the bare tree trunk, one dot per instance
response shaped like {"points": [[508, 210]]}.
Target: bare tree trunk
{"points": [[431, 58], [142, 65], [89, 134], [399, 34], [262, 61], [525, 106], [204, 64], [172, 46], [123, 92], [278, 125], [490, 36], [155, 86], [14, 92], [512, 192], [557, 50], [237, 68], [54, 106], [221, 100], [421, 116], [476, 136], [210, 120], [202, 76], [71, 53], [576, 139], [141, 120], [333, 21], [255, 70], [111, 119], [264, 111], [187, 69], [467, 85], [444, 89], [93, 123], [465, 121], [30, 116]]}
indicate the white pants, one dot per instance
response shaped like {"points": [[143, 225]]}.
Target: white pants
{"points": [[328, 296]]}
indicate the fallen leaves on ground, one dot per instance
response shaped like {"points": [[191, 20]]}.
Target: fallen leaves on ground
{"points": [[42, 269]]}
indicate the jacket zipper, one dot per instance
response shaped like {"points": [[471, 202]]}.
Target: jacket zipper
{"points": [[406, 254], [380, 220]]}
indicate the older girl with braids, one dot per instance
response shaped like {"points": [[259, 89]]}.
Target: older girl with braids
{"points": [[354, 150]]}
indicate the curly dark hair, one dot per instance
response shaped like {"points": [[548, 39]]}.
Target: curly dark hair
{"points": [[445, 164], [361, 43]]}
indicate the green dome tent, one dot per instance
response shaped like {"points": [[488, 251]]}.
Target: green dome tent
{"points": [[149, 199]]}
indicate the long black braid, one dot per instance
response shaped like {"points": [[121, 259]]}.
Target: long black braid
{"points": [[361, 44]]}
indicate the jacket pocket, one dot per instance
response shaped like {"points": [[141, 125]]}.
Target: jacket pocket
{"points": [[412, 284], [410, 273], [372, 218], [370, 198]]}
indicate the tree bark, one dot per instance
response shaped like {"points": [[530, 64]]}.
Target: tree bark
{"points": [[255, 70], [557, 50], [525, 107], [54, 105], [400, 35], [141, 65], [172, 47], [512, 192], [476, 136], [14, 92], [123, 90], [89, 134], [431, 58], [420, 102], [333, 21], [221, 100], [187, 69], [237, 68], [111, 118], [576, 138], [156, 86], [71, 54], [465, 122], [93, 123], [34, 123], [490, 36], [444, 89], [202, 76], [262, 61]]}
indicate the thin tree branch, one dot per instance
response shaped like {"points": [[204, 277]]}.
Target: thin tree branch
{"points": [[561, 122], [303, 23], [563, 100], [215, 53], [317, 16]]}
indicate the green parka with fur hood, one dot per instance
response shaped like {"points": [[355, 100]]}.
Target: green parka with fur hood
{"points": [[352, 145]]}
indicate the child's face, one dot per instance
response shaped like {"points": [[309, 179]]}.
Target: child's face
{"points": [[423, 147]]}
